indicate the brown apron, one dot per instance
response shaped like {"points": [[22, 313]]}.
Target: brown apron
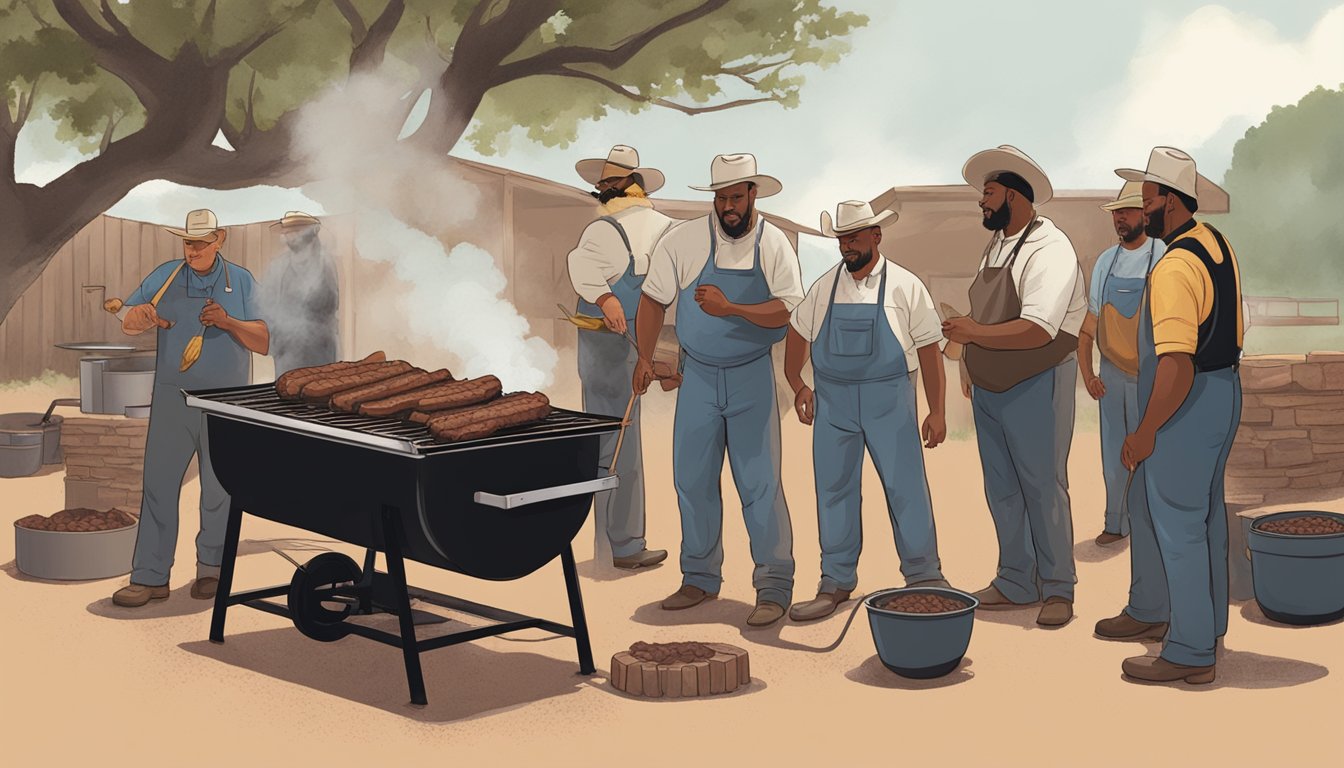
{"points": [[994, 300], [1118, 338]]}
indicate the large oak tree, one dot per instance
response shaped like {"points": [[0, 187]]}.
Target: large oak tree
{"points": [[145, 87]]}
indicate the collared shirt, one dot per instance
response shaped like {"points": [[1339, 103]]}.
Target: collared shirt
{"points": [[1181, 292], [1119, 261], [907, 304], [601, 258], [681, 254], [1048, 278]]}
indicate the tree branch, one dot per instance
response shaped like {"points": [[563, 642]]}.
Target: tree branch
{"points": [[119, 52], [370, 50], [611, 58], [357, 27], [658, 102], [32, 9], [25, 104], [112, 122]]}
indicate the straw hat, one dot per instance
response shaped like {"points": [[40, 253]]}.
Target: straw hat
{"points": [[620, 161], [1169, 166], [1006, 157], [727, 170], [296, 220], [1131, 196], [853, 215], [201, 225]]}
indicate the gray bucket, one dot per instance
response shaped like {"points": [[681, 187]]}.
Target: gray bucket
{"points": [[1298, 580], [74, 555], [20, 453], [921, 646]]}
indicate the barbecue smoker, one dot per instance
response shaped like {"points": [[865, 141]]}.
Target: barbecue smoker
{"points": [[495, 508]]}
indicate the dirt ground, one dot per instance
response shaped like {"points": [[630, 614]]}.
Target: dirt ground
{"points": [[85, 681]]}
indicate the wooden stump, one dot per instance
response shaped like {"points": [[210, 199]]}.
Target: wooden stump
{"points": [[724, 672]]}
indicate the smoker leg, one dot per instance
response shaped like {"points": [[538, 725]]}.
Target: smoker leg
{"points": [[396, 568], [366, 596], [576, 611], [225, 588]]}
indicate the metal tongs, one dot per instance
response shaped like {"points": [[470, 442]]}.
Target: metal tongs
{"points": [[46, 417]]}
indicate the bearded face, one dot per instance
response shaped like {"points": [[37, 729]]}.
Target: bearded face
{"points": [[1128, 224], [996, 219], [1155, 220]]}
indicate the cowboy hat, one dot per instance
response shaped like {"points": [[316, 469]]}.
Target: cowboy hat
{"points": [[853, 215], [983, 165], [727, 170], [296, 220], [201, 225], [1168, 166], [1131, 196], [620, 161]]}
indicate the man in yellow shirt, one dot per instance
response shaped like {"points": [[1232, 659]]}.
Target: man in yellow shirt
{"points": [[1190, 342]]}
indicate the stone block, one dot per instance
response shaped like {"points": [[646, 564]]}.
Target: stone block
{"points": [[1270, 433], [1334, 376], [1238, 484], [81, 493], [1325, 357], [1246, 456], [1309, 375], [114, 441], [1330, 480], [1331, 435], [1257, 416], [1318, 467], [1313, 417], [1263, 378], [1329, 449], [88, 460], [1289, 452], [1301, 400], [1283, 417], [1244, 499]]}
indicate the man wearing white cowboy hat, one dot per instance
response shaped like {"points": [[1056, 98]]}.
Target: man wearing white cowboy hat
{"points": [[867, 325], [1027, 305], [735, 278], [300, 297], [1119, 281], [1190, 340], [214, 300], [607, 270]]}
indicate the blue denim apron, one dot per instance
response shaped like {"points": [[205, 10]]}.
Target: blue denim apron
{"points": [[865, 396], [627, 288], [726, 404]]}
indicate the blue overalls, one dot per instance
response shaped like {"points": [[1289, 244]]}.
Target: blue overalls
{"points": [[177, 432], [1184, 479], [606, 366], [727, 400], [1120, 417], [865, 396]]}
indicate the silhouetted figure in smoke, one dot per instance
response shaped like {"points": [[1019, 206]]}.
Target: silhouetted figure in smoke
{"points": [[300, 296]]}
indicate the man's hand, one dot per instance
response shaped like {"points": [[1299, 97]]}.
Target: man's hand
{"points": [[1096, 388], [613, 314], [667, 375], [712, 301], [935, 430], [962, 330], [643, 377], [804, 404], [1137, 448], [141, 318], [214, 314]]}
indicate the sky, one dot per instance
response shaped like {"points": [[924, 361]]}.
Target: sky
{"points": [[1083, 88]]}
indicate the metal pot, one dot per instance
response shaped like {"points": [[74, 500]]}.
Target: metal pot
{"points": [[48, 433], [20, 452], [109, 384], [1298, 579], [921, 646]]}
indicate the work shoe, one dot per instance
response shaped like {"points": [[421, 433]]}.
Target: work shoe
{"points": [[204, 588], [641, 559], [765, 613], [819, 607], [686, 597], [1056, 612], [1107, 538], [135, 595], [991, 597], [1126, 627], [1155, 669]]}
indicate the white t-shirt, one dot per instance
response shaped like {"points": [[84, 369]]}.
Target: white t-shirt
{"points": [[681, 254], [1047, 275], [600, 257], [908, 305]]}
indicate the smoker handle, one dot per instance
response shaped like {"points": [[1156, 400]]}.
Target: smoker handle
{"points": [[509, 501]]}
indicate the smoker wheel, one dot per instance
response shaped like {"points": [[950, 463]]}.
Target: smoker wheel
{"points": [[326, 581]]}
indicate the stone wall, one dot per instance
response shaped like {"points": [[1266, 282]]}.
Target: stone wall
{"points": [[104, 461], [1290, 446]]}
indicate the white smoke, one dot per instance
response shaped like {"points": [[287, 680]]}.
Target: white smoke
{"points": [[405, 202]]}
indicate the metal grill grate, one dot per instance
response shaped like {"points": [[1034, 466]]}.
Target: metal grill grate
{"points": [[260, 403]]}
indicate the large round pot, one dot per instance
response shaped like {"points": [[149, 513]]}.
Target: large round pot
{"points": [[74, 556], [921, 645], [28, 423], [1298, 579]]}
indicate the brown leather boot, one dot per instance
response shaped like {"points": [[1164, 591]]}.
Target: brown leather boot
{"points": [[1155, 669], [686, 597], [1126, 627], [1056, 612], [135, 595], [819, 607]]}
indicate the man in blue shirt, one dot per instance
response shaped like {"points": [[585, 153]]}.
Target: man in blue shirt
{"points": [[201, 295]]}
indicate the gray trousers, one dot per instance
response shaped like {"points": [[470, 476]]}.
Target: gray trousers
{"points": [[176, 432], [606, 366], [1024, 436]]}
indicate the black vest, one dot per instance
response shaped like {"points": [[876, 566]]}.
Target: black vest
{"points": [[1217, 347]]}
